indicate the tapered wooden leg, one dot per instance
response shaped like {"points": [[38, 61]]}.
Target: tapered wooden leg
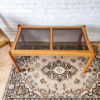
{"points": [[17, 69], [88, 63], [80, 37]]}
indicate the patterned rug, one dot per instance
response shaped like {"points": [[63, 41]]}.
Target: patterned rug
{"points": [[54, 78]]}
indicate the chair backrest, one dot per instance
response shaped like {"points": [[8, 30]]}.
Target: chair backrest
{"points": [[3, 38]]}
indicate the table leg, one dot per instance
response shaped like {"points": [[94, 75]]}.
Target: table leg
{"points": [[17, 69], [80, 37], [79, 41], [88, 63], [23, 40]]}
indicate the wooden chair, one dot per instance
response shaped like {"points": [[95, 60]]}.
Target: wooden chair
{"points": [[4, 40]]}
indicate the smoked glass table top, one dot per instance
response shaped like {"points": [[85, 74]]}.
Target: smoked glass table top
{"points": [[62, 39]]}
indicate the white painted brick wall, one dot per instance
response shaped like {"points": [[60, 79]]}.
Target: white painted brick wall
{"points": [[50, 12]]}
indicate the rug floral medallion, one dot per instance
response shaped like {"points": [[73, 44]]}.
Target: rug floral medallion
{"points": [[54, 77]]}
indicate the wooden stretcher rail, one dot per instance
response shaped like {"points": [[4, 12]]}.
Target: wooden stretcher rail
{"points": [[48, 27], [84, 53]]}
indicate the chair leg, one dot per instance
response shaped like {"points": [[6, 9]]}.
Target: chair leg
{"points": [[17, 69], [88, 63]]}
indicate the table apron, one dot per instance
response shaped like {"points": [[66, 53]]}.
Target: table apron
{"points": [[80, 53]]}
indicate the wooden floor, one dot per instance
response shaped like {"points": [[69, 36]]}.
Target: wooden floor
{"points": [[5, 67]]}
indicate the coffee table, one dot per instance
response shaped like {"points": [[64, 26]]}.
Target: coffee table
{"points": [[52, 41]]}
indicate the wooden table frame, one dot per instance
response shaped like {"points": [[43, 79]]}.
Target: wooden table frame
{"points": [[81, 53]]}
